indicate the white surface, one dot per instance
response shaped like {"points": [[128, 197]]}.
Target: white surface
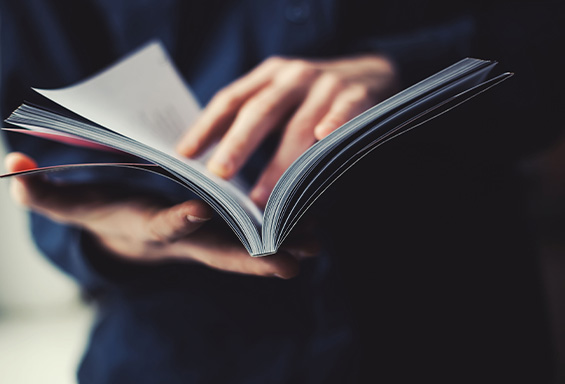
{"points": [[43, 324], [42, 347]]}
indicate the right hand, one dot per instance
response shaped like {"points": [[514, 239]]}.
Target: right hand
{"points": [[303, 99], [141, 229]]}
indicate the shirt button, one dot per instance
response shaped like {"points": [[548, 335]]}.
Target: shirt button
{"points": [[297, 13]]}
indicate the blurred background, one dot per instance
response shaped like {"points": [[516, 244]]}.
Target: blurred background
{"points": [[43, 322]]}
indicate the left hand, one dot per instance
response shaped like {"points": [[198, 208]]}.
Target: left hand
{"points": [[307, 99], [142, 229]]}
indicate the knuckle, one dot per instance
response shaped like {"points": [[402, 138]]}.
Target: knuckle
{"points": [[154, 234], [299, 71], [237, 149], [359, 92], [155, 238], [334, 121], [275, 61], [332, 81], [262, 105], [227, 99]]}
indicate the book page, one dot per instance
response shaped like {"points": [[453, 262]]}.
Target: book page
{"points": [[155, 111], [144, 97]]}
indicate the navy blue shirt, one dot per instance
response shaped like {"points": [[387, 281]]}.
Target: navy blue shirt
{"points": [[178, 323]]}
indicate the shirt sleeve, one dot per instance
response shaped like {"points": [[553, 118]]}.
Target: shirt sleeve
{"points": [[66, 247], [79, 255]]}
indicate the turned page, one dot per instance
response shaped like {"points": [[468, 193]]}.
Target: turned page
{"points": [[142, 97]]}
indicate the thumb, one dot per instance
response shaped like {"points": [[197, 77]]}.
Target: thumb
{"points": [[172, 223]]}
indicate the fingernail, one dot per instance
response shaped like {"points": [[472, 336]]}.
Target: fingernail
{"points": [[319, 131], [222, 165], [185, 149], [195, 219], [322, 130]]}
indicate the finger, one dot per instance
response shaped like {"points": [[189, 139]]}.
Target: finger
{"points": [[259, 116], [281, 265], [17, 161], [298, 135], [170, 224], [20, 187], [304, 249], [37, 194], [63, 204], [222, 109], [237, 260], [346, 106], [72, 204], [216, 246]]}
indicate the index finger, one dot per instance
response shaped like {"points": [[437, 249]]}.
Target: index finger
{"points": [[222, 109]]}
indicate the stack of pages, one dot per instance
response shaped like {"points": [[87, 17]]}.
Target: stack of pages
{"points": [[141, 106]]}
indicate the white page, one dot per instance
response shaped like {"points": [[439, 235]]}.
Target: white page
{"points": [[144, 97]]}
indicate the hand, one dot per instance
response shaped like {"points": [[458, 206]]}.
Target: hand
{"points": [[141, 229], [306, 99]]}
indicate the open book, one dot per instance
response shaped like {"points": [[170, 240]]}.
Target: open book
{"points": [[141, 106]]}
